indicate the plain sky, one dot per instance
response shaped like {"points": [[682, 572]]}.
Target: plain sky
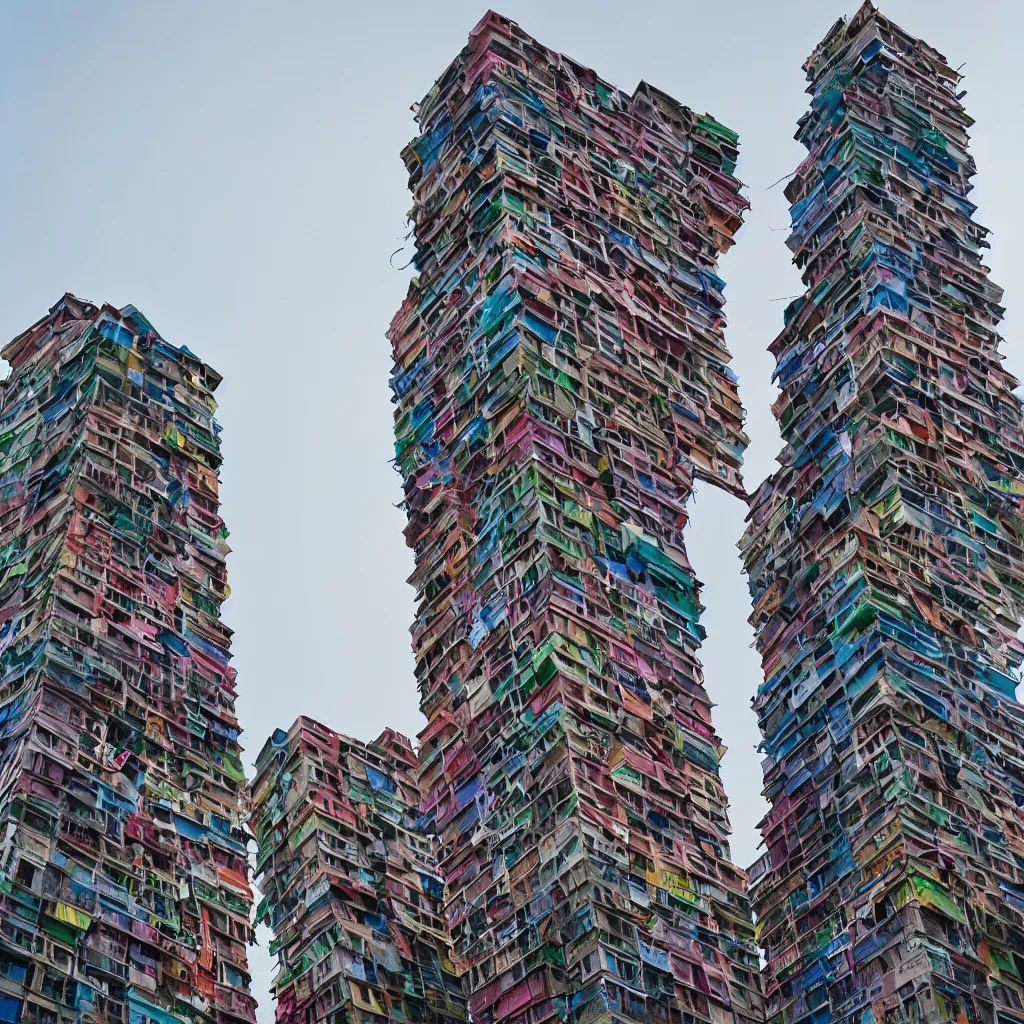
{"points": [[232, 169]]}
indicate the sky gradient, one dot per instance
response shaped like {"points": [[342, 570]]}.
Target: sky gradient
{"points": [[233, 170]]}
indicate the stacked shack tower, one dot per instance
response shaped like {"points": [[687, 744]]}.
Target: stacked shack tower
{"points": [[123, 875], [351, 885], [561, 380], [886, 565]]}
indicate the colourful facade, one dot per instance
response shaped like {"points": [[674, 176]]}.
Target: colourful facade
{"points": [[561, 380], [351, 886], [886, 565], [124, 890]]}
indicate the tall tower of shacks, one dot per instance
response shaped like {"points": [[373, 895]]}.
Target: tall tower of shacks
{"points": [[886, 566], [350, 882], [561, 379], [123, 876]]}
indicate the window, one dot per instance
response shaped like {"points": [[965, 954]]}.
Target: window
{"points": [[13, 971], [26, 874]]}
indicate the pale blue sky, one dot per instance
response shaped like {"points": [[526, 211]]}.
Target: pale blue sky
{"points": [[232, 169]]}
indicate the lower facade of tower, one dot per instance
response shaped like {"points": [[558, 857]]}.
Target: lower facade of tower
{"points": [[892, 889], [574, 778]]}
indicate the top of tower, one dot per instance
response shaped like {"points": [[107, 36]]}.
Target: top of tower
{"points": [[499, 35], [506, 104], [70, 309], [390, 744], [866, 23]]}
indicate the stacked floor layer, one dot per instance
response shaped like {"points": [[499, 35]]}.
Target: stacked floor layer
{"points": [[886, 565], [560, 379], [352, 890], [123, 874]]}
